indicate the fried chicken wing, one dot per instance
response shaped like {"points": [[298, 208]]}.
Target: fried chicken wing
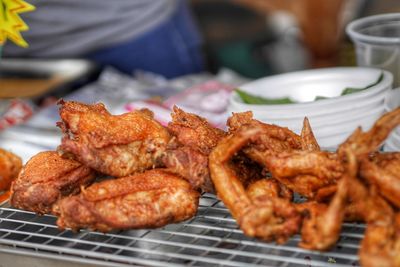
{"points": [[304, 172], [10, 165], [146, 200], [383, 170], [363, 143], [237, 120], [274, 137], [190, 164], [308, 140], [257, 215], [381, 243], [294, 160], [45, 178], [280, 151], [114, 145], [188, 156], [321, 229], [194, 131], [268, 188]]}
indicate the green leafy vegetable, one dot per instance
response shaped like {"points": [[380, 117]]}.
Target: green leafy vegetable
{"points": [[258, 100], [350, 90]]}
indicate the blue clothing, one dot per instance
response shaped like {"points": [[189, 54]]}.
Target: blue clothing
{"points": [[71, 28], [171, 49]]}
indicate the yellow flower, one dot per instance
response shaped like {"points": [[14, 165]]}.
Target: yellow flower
{"points": [[11, 24]]}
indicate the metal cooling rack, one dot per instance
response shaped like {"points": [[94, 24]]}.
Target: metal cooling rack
{"points": [[212, 238]]}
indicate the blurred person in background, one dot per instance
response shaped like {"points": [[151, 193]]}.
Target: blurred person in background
{"points": [[320, 21], [156, 36]]}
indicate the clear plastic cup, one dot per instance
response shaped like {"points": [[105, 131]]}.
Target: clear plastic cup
{"points": [[377, 42]]}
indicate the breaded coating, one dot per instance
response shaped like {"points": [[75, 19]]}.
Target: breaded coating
{"points": [[190, 164], [146, 200], [383, 170], [194, 131], [264, 217], [10, 166], [45, 178], [114, 145], [321, 228], [188, 156]]}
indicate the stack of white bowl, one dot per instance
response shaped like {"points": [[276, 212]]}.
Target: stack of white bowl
{"points": [[393, 101], [332, 119]]}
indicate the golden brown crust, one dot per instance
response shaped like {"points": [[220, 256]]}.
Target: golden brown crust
{"points": [[194, 131], [45, 178], [147, 200], [195, 138], [10, 166], [382, 170], [114, 145]]}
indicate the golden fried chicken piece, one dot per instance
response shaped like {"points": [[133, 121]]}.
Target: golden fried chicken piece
{"points": [[280, 151], [190, 164], [194, 131], [304, 172], [275, 138], [268, 188], [45, 178], [258, 216], [381, 243], [10, 165], [383, 170], [188, 155], [321, 228], [294, 160], [114, 145], [308, 140], [146, 200], [363, 143], [237, 120]]}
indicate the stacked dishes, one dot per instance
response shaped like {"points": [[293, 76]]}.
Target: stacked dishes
{"points": [[393, 101], [333, 116]]}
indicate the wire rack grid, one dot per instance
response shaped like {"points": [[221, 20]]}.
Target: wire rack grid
{"points": [[212, 238]]}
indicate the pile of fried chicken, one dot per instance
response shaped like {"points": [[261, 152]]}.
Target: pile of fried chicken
{"points": [[128, 171]]}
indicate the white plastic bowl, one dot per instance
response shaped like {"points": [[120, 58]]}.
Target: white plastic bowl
{"points": [[394, 137], [332, 142], [304, 86], [390, 146], [392, 99], [332, 122], [325, 119], [288, 113]]}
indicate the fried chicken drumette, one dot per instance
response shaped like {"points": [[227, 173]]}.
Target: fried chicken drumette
{"points": [[45, 178], [145, 200], [10, 166], [114, 145], [188, 154]]}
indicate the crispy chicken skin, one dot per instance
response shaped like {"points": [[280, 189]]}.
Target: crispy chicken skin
{"points": [[323, 223], [114, 145], [363, 143], [45, 178], [270, 219], [188, 154], [383, 170], [190, 164], [10, 165], [304, 172], [194, 131], [146, 200]]}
